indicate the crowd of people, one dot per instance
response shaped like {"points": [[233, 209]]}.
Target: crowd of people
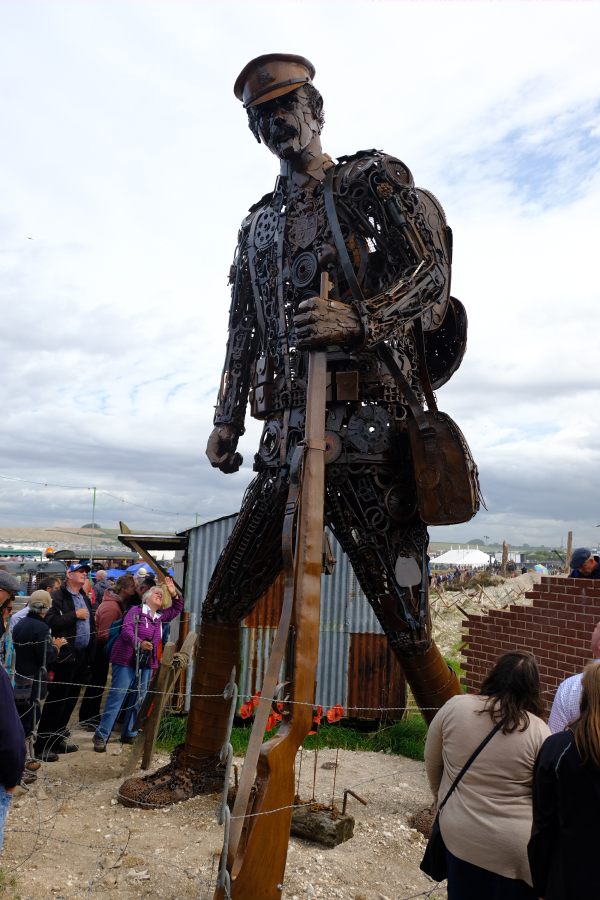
{"points": [[64, 642], [522, 824]]}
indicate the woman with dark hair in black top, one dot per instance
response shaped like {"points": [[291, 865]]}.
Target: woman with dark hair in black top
{"points": [[566, 803]]}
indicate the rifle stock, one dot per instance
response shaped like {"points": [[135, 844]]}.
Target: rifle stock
{"points": [[262, 813]]}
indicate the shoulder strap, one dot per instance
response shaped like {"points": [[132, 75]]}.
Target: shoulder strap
{"points": [[468, 763], [338, 238], [384, 351], [422, 365]]}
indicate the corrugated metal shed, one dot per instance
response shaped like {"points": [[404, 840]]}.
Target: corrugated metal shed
{"points": [[355, 667]]}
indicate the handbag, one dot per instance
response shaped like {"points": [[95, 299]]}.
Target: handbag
{"points": [[446, 476], [434, 862], [445, 471], [144, 658]]}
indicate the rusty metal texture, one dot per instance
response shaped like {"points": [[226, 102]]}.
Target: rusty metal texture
{"points": [[344, 268], [376, 683], [345, 611], [255, 646], [267, 612]]}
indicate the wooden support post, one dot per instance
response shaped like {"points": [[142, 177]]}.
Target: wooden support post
{"points": [[178, 698], [569, 552], [503, 569], [154, 702]]}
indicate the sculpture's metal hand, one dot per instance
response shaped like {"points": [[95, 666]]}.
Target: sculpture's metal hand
{"points": [[320, 322], [221, 449]]}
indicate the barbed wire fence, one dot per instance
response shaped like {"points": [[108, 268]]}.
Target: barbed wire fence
{"points": [[110, 855], [39, 829]]}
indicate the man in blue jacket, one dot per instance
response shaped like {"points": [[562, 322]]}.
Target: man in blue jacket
{"points": [[70, 616]]}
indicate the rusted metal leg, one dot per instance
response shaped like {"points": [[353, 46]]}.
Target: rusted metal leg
{"points": [[195, 767], [217, 655], [431, 680], [390, 565]]}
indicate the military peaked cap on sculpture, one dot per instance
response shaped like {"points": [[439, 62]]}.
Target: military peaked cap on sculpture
{"points": [[272, 75]]}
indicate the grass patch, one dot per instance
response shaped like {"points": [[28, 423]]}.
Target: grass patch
{"points": [[406, 738], [339, 736], [456, 668], [171, 732]]}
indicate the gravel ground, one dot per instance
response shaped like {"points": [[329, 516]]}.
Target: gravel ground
{"points": [[67, 837]]}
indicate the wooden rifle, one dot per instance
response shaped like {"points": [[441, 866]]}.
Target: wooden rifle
{"points": [[262, 812]]}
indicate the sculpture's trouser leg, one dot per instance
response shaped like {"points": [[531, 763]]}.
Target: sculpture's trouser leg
{"points": [[247, 566], [431, 680], [376, 532], [375, 527], [217, 654]]}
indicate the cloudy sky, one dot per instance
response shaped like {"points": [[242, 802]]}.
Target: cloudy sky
{"points": [[125, 169]]}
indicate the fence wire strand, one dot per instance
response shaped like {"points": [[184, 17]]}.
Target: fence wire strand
{"points": [[66, 791]]}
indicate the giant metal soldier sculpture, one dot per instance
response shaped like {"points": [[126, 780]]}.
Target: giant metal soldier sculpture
{"points": [[392, 334]]}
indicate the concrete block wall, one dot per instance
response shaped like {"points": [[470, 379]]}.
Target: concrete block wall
{"points": [[556, 626]]}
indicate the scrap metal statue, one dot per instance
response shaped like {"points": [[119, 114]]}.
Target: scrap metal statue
{"points": [[349, 262]]}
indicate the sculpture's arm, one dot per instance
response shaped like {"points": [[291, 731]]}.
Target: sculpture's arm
{"points": [[230, 410], [407, 227], [424, 243]]}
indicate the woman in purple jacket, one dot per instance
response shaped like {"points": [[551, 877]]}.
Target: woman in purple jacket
{"points": [[134, 656]]}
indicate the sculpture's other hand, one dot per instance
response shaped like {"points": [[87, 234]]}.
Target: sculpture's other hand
{"points": [[319, 322], [221, 449]]}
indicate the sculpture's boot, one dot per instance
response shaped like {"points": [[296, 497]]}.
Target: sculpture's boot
{"points": [[195, 767]]}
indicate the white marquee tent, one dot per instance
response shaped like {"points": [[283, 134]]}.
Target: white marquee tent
{"points": [[463, 556]]}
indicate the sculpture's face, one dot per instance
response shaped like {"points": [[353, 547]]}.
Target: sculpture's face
{"points": [[287, 124]]}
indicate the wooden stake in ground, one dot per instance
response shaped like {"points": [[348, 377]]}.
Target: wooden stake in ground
{"points": [[569, 552], [154, 702], [504, 558]]}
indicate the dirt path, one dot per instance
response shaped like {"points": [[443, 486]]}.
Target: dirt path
{"points": [[68, 838]]}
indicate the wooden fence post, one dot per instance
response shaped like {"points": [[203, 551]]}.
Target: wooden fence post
{"points": [[150, 714], [569, 552]]}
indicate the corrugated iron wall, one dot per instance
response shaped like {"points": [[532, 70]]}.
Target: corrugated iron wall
{"points": [[376, 684], [352, 672], [204, 548]]}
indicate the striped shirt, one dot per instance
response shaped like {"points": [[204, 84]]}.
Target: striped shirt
{"points": [[565, 708]]}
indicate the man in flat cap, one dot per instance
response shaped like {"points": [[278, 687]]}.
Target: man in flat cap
{"points": [[392, 334], [584, 564], [70, 616]]}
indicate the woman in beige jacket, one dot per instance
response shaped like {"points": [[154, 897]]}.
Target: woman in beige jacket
{"points": [[486, 823]]}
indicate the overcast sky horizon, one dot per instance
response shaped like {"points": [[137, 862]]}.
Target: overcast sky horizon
{"points": [[126, 166]]}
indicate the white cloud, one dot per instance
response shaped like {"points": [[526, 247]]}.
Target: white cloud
{"points": [[126, 166]]}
